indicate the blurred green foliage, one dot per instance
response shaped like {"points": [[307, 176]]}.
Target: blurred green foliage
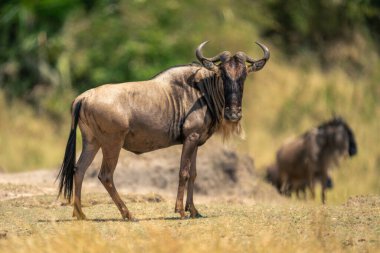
{"points": [[310, 24], [323, 26], [48, 46]]}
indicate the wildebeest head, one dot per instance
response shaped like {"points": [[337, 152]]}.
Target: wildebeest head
{"points": [[337, 134], [233, 71]]}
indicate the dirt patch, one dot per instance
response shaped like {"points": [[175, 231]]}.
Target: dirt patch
{"points": [[51, 201], [11, 191], [43, 179], [103, 198]]}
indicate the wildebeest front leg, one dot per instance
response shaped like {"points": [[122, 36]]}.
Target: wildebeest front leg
{"points": [[189, 148], [324, 186], [190, 187], [284, 184]]}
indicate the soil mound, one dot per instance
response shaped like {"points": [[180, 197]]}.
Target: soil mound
{"points": [[220, 171]]}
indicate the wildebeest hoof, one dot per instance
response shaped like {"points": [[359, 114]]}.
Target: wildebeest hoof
{"points": [[193, 211], [80, 216], [181, 213], [127, 216], [133, 219], [196, 215]]}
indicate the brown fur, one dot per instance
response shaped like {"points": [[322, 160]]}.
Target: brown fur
{"points": [[298, 186], [306, 159]]}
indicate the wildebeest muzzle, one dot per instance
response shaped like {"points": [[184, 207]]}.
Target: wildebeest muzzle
{"points": [[232, 111]]}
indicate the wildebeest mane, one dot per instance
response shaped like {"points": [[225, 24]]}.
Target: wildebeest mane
{"points": [[339, 121], [213, 94]]}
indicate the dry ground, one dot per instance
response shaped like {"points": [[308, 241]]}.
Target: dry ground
{"points": [[40, 223], [33, 220]]}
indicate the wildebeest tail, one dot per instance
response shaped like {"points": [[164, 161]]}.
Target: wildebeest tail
{"points": [[66, 174]]}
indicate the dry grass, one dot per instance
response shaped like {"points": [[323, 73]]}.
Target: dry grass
{"points": [[29, 140], [39, 224]]}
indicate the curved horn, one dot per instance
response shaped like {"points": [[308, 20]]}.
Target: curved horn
{"points": [[200, 56], [207, 62], [258, 64]]}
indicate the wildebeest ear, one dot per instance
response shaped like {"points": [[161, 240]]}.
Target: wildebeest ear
{"points": [[210, 66], [257, 66]]}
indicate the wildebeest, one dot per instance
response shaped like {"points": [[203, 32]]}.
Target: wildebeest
{"points": [[273, 176], [182, 105], [306, 159]]}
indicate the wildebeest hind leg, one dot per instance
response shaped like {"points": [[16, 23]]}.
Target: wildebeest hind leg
{"points": [[188, 149], [298, 193], [110, 158], [190, 187], [88, 153]]}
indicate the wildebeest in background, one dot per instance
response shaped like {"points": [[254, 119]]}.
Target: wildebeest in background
{"points": [[182, 105], [306, 159], [273, 176]]}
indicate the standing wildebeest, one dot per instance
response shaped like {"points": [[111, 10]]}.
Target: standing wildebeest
{"points": [[182, 105], [273, 176], [306, 159]]}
